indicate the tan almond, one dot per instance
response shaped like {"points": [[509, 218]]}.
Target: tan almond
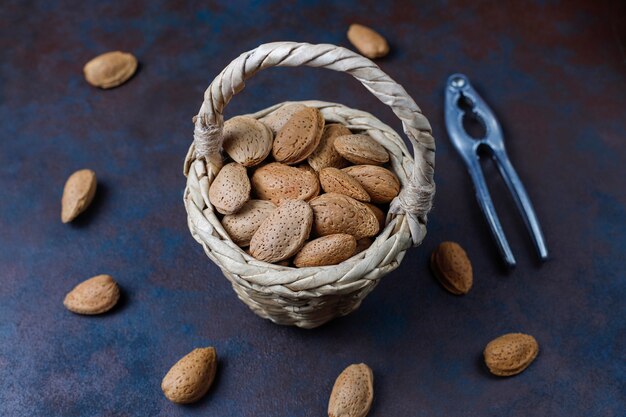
{"points": [[230, 189], [338, 213], [191, 377], [110, 69], [326, 250], [247, 141], [299, 137], [78, 193], [283, 233], [242, 225], [277, 119], [361, 149], [353, 392], [334, 180], [367, 41], [381, 184], [452, 268], [96, 295], [363, 244], [510, 354], [325, 155], [276, 182], [380, 215]]}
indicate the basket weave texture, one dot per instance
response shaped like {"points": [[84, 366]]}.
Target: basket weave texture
{"points": [[309, 297]]}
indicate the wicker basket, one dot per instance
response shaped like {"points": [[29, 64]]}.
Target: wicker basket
{"points": [[309, 297]]}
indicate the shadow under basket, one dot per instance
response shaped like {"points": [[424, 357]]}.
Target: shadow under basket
{"points": [[309, 297]]}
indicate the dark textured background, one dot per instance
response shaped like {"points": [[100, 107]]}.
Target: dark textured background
{"points": [[554, 73]]}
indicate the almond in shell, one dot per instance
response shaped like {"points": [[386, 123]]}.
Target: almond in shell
{"points": [[452, 268], [110, 69], [338, 213], [380, 215], [96, 295], [334, 180], [230, 189], [78, 193], [283, 233], [246, 140], [242, 225], [276, 182], [326, 250], [299, 137], [367, 41], [325, 155], [381, 184], [353, 392], [361, 149], [191, 377], [510, 354], [277, 119]]}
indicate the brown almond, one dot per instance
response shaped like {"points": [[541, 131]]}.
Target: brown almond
{"points": [[278, 118], [361, 149], [325, 155], [276, 182], [78, 193], [326, 250], [282, 233], [363, 244], [380, 215], [338, 213], [367, 41], [191, 377], [381, 184], [299, 137], [334, 180], [352, 393], [510, 354], [94, 296], [230, 189], [452, 268], [246, 140], [110, 69], [242, 225]]}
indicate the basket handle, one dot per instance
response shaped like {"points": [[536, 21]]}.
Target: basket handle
{"points": [[415, 197]]}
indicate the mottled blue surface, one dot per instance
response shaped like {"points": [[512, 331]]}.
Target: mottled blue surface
{"points": [[555, 74]]}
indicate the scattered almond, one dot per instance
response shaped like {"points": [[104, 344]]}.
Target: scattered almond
{"points": [[352, 393], [191, 377], [94, 296], [230, 189], [276, 182], [299, 136], [452, 268], [334, 180], [277, 119], [381, 184], [78, 193], [242, 225], [338, 213], [110, 69], [367, 41], [325, 155], [326, 250], [510, 354], [283, 232], [361, 149], [246, 140]]}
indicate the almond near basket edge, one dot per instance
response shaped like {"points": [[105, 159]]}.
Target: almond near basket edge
{"points": [[309, 297]]}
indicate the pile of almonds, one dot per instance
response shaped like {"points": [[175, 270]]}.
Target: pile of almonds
{"points": [[300, 191]]}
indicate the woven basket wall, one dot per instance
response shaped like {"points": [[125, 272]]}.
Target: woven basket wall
{"points": [[309, 297]]}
